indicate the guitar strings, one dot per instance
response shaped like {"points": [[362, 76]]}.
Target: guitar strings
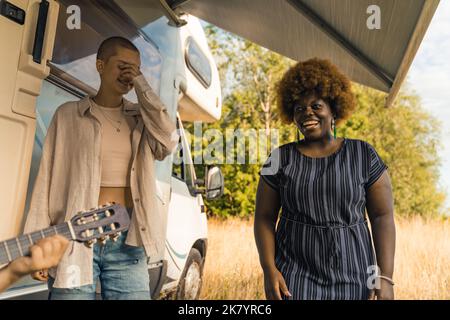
{"points": [[14, 251]]}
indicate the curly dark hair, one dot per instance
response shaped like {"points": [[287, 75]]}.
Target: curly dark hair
{"points": [[321, 78]]}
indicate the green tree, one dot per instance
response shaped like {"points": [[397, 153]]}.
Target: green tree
{"points": [[407, 139], [249, 74], [405, 136]]}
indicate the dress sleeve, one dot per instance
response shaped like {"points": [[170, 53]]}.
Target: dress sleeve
{"points": [[376, 167], [270, 171]]}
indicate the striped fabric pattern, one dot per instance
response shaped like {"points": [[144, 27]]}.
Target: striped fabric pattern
{"points": [[323, 244]]}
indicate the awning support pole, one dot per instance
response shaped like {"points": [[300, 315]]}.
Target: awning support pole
{"points": [[172, 14]]}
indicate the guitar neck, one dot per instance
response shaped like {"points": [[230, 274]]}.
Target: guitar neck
{"points": [[20, 246]]}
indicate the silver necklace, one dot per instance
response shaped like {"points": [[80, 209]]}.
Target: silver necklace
{"points": [[111, 121]]}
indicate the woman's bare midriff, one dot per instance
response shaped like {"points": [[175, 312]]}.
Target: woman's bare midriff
{"points": [[119, 195]]}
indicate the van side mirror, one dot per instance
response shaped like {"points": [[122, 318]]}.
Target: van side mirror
{"points": [[214, 183]]}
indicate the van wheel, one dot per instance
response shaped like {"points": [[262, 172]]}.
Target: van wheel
{"points": [[191, 278]]}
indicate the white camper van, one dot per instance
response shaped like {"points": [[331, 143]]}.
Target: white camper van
{"points": [[49, 58], [48, 53]]}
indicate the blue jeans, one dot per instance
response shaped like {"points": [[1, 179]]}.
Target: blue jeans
{"points": [[121, 269]]}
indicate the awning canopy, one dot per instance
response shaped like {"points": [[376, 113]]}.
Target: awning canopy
{"points": [[331, 29]]}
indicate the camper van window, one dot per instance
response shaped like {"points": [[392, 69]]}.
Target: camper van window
{"points": [[198, 63], [76, 49], [178, 163], [182, 167]]}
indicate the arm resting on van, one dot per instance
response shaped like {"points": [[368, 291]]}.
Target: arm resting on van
{"points": [[159, 129]]}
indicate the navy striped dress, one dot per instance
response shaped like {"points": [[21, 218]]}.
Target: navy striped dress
{"points": [[323, 244]]}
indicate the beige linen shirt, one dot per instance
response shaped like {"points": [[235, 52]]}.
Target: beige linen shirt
{"points": [[69, 178]]}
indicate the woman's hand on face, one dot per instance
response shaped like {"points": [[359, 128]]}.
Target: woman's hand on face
{"points": [[129, 72], [274, 285], [386, 292]]}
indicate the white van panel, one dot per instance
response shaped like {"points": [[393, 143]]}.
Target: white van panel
{"points": [[199, 103]]}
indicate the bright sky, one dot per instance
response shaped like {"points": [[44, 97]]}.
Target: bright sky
{"points": [[429, 76]]}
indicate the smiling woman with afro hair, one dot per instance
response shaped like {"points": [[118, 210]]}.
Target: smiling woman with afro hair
{"points": [[315, 77], [320, 246]]}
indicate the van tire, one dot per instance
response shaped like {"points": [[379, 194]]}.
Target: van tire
{"points": [[191, 279]]}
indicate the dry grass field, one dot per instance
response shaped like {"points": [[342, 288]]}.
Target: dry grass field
{"points": [[422, 269]]}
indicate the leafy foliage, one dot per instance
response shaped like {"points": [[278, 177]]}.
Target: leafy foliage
{"points": [[405, 136]]}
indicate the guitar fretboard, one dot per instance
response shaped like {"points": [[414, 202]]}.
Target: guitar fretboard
{"points": [[20, 246]]}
